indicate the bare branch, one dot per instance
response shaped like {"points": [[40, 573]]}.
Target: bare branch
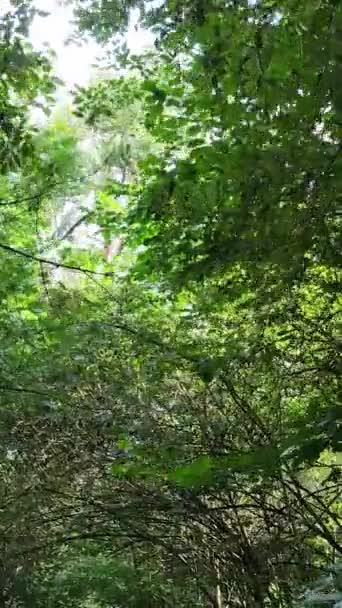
{"points": [[30, 256]]}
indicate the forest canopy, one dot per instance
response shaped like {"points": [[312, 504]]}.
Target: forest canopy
{"points": [[171, 307]]}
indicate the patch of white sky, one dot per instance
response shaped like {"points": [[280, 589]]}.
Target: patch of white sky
{"points": [[74, 65], [74, 62]]}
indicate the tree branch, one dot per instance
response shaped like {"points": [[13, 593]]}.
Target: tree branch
{"points": [[30, 256], [74, 226], [29, 391]]}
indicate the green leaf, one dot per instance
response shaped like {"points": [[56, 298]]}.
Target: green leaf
{"points": [[192, 475]]}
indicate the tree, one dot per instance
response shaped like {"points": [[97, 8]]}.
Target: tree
{"points": [[171, 431], [26, 80]]}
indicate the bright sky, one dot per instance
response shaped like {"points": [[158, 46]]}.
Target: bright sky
{"points": [[73, 63]]}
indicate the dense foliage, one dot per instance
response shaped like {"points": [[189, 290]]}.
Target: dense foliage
{"points": [[170, 391]]}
